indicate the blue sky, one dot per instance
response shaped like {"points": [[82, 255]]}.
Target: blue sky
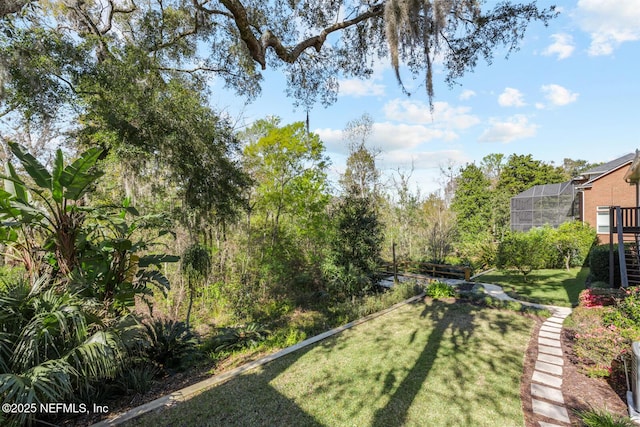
{"points": [[572, 90]]}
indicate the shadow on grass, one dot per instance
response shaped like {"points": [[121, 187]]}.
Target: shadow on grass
{"points": [[375, 385], [246, 400], [453, 323]]}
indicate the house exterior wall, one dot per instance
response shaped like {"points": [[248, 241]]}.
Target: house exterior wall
{"points": [[608, 190]]}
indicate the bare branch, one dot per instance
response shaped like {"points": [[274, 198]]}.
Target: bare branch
{"points": [[113, 9], [244, 27], [291, 55], [8, 7], [257, 48], [202, 8], [197, 70]]}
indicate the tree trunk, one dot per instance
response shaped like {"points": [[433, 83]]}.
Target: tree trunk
{"points": [[191, 292]]}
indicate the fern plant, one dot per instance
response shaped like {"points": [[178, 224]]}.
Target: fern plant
{"points": [[440, 290], [230, 339]]}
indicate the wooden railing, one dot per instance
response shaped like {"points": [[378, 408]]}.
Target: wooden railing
{"points": [[430, 269], [627, 219], [622, 221], [617, 223]]}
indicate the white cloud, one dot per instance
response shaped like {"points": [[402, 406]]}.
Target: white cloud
{"points": [[444, 115], [609, 23], [558, 95], [422, 159], [409, 124], [389, 136], [372, 86], [360, 88], [562, 46], [514, 128], [466, 94], [332, 139], [511, 98]]}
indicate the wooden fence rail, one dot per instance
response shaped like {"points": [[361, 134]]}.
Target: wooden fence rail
{"points": [[433, 270]]}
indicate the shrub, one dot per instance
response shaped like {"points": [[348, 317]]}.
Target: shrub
{"points": [[629, 306], [591, 298], [137, 378], [573, 240], [598, 347], [479, 252], [286, 337], [171, 345], [54, 347], [440, 290], [599, 263], [237, 338], [603, 334], [524, 252], [346, 281], [603, 418], [354, 253]]}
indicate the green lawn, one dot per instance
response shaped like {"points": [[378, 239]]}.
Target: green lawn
{"points": [[434, 364], [554, 287]]}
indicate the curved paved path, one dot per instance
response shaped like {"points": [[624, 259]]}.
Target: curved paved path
{"points": [[547, 399], [546, 382]]}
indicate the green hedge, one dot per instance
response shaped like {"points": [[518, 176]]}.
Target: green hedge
{"points": [[599, 263], [545, 247]]}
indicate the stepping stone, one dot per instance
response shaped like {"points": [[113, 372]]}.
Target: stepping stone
{"points": [[556, 351], [550, 410], [546, 379], [548, 393], [551, 328], [548, 342], [548, 367], [551, 359], [552, 335], [543, 424], [554, 321]]}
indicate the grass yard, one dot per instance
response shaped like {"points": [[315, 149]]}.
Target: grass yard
{"points": [[434, 363], [554, 287]]}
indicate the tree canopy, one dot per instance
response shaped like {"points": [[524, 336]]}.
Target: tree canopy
{"points": [[311, 41]]}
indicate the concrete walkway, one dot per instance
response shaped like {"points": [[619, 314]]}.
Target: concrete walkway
{"points": [[546, 381]]}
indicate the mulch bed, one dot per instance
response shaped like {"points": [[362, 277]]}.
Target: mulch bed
{"points": [[580, 391]]}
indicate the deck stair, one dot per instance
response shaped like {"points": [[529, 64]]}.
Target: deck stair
{"points": [[632, 261], [625, 230]]}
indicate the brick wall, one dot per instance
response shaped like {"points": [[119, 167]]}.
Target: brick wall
{"points": [[609, 190]]}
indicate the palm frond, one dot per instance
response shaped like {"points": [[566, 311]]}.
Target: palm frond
{"points": [[98, 357]]}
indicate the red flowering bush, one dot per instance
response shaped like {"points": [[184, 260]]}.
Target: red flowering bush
{"points": [[598, 347], [594, 298], [604, 326]]}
